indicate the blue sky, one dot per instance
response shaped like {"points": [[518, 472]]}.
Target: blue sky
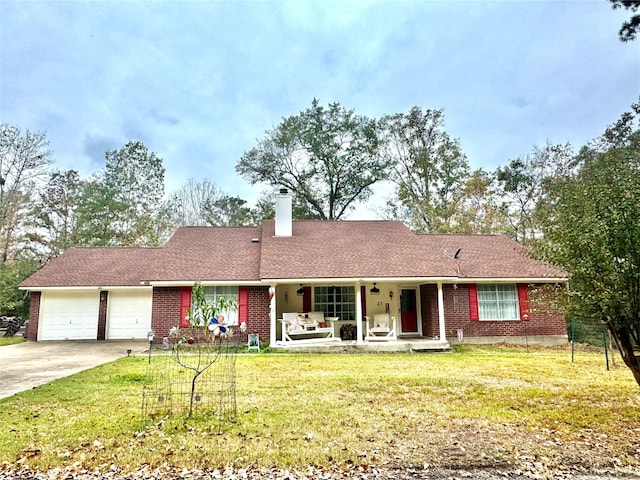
{"points": [[199, 82]]}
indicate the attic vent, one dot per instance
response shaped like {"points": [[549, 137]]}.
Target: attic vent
{"points": [[255, 240]]}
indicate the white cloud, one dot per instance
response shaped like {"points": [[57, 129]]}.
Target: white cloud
{"points": [[200, 82]]}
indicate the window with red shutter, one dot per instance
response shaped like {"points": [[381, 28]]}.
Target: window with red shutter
{"points": [[473, 302], [243, 305]]}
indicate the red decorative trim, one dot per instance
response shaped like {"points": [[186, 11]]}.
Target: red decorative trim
{"points": [[474, 313], [523, 301]]}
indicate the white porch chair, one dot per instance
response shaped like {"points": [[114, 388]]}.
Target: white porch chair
{"points": [[290, 322], [253, 342], [381, 328]]}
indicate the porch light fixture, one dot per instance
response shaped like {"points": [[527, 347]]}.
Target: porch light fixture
{"points": [[300, 291], [374, 290], [390, 293]]}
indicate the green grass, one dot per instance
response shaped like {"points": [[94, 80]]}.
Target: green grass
{"points": [[11, 340], [480, 406]]}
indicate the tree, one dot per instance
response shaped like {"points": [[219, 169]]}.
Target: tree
{"points": [[189, 203], [123, 205], [429, 169], [13, 301], [229, 211], [203, 203], [24, 159], [327, 157], [477, 208], [522, 186], [629, 29], [54, 212], [592, 230], [201, 345]]}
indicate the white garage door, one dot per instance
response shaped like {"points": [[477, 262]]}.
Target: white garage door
{"points": [[70, 315], [128, 314]]}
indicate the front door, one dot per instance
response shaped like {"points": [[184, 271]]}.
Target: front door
{"points": [[408, 310]]}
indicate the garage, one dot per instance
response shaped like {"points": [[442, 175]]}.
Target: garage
{"points": [[69, 315], [129, 314]]}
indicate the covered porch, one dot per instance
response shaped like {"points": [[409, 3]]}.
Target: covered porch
{"points": [[406, 345], [359, 315]]}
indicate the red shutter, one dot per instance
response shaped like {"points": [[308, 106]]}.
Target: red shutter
{"points": [[523, 301], [185, 304], [243, 305], [363, 299], [306, 300], [473, 302]]}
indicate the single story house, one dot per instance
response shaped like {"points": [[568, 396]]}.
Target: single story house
{"points": [[449, 287]]}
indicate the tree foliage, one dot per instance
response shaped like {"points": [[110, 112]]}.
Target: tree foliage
{"points": [[14, 301], [124, 204], [592, 230], [522, 187], [203, 203], [24, 159], [630, 28], [54, 210], [189, 202], [429, 169], [477, 206], [228, 211], [327, 157]]}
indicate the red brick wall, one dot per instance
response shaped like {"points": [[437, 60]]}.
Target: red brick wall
{"points": [[34, 315], [259, 319], [429, 310], [165, 312], [545, 318]]}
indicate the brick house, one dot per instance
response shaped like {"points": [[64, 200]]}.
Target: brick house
{"points": [[475, 288]]}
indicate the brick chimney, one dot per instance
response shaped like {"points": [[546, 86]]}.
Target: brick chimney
{"points": [[284, 215]]}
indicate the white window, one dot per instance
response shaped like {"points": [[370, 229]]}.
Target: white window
{"points": [[498, 302], [336, 302], [211, 295]]}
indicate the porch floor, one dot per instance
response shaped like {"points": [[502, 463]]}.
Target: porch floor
{"points": [[417, 345]]}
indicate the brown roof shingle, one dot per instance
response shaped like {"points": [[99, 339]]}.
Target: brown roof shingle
{"points": [[95, 267], [211, 254], [338, 249], [379, 249]]}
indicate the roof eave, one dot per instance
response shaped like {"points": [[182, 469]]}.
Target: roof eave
{"points": [[418, 279]]}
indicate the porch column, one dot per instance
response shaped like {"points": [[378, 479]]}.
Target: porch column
{"points": [[359, 332], [443, 336], [272, 315]]}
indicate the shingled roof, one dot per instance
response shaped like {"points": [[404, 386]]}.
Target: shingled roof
{"points": [[316, 250], [210, 254], [388, 249], [95, 267]]}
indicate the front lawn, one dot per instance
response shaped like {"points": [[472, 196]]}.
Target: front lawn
{"points": [[481, 407], [11, 340]]}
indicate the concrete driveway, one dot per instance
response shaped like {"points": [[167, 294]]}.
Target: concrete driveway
{"points": [[24, 366]]}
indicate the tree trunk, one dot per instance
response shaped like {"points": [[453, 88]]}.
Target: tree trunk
{"points": [[622, 336]]}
